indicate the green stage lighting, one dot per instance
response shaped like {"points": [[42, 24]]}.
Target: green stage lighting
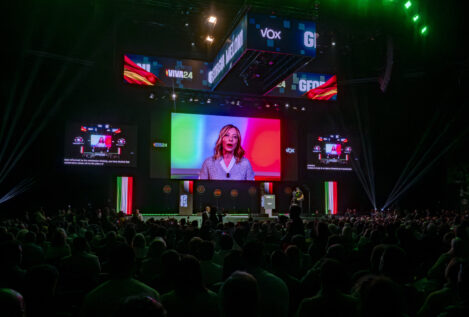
{"points": [[424, 30], [408, 4], [416, 18]]}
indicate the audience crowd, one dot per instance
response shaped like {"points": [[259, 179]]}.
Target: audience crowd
{"points": [[102, 263]]}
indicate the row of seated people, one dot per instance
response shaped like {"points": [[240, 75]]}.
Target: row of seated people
{"points": [[74, 264]]}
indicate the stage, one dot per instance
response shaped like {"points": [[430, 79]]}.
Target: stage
{"points": [[198, 218], [227, 218]]}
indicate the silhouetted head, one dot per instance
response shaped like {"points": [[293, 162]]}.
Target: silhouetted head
{"points": [[239, 295], [232, 262], [121, 260], [226, 242], [206, 250], [188, 275], [253, 254], [157, 247], [333, 275], [379, 296], [141, 306], [11, 303]]}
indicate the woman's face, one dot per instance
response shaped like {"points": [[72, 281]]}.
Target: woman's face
{"points": [[230, 140]]}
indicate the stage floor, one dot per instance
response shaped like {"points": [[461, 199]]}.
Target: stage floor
{"points": [[227, 218]]}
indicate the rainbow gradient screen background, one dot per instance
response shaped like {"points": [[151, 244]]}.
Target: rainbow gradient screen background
{"points": [[193, 138]]}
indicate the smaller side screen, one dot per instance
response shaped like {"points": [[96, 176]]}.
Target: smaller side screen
{"points": [[100, 145], [331, 152]]}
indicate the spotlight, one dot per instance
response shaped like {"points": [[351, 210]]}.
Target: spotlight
{"points": [[174, 96], [212, 19], [193, 43], [416, 18], [186, 24], [333, 43], [209, 100], [408, 4], [267, 105], [191, 99], [287, 105], [303, 109], [424, 30], [238, 103], [151, 96], [295, 108], [196, 99], [209, 39]]}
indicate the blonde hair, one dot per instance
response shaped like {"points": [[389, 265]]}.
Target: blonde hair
{"points": [[218, 151]]}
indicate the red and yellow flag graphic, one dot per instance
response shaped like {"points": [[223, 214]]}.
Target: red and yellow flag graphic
{"points": [[134, 74], [324, 92]]}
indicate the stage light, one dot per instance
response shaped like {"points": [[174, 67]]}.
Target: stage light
{"points": [[295, 108], [333, 43], [267, 105], [238, 103], [424, 30], [209, 39], [173, 96], [151, 96], [191, 99], [193, 43], [211, 19], [287, 105], [186, 24], [209, 100], [416, 18], [408, 4], [303, 109]]}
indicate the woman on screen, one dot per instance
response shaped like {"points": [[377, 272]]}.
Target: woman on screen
{"points": [[228, 161]]}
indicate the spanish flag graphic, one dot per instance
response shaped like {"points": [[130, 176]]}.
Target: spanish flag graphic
{"points": [[324, 92], [134, 74]]}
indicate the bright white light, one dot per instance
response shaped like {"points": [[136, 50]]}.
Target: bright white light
{"points": [[173, 96], [212, 19], [209, 39]]}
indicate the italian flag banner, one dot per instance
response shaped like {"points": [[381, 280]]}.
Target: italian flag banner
{"points": [[124, 194], [268, 188], [330, 190]]}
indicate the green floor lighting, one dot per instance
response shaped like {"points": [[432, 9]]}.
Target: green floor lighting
{"points": [[408, 4], [416, 18], [424, 30]]}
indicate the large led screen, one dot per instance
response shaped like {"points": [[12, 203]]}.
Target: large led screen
{"points": [[201, 147], [100, 145]]}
